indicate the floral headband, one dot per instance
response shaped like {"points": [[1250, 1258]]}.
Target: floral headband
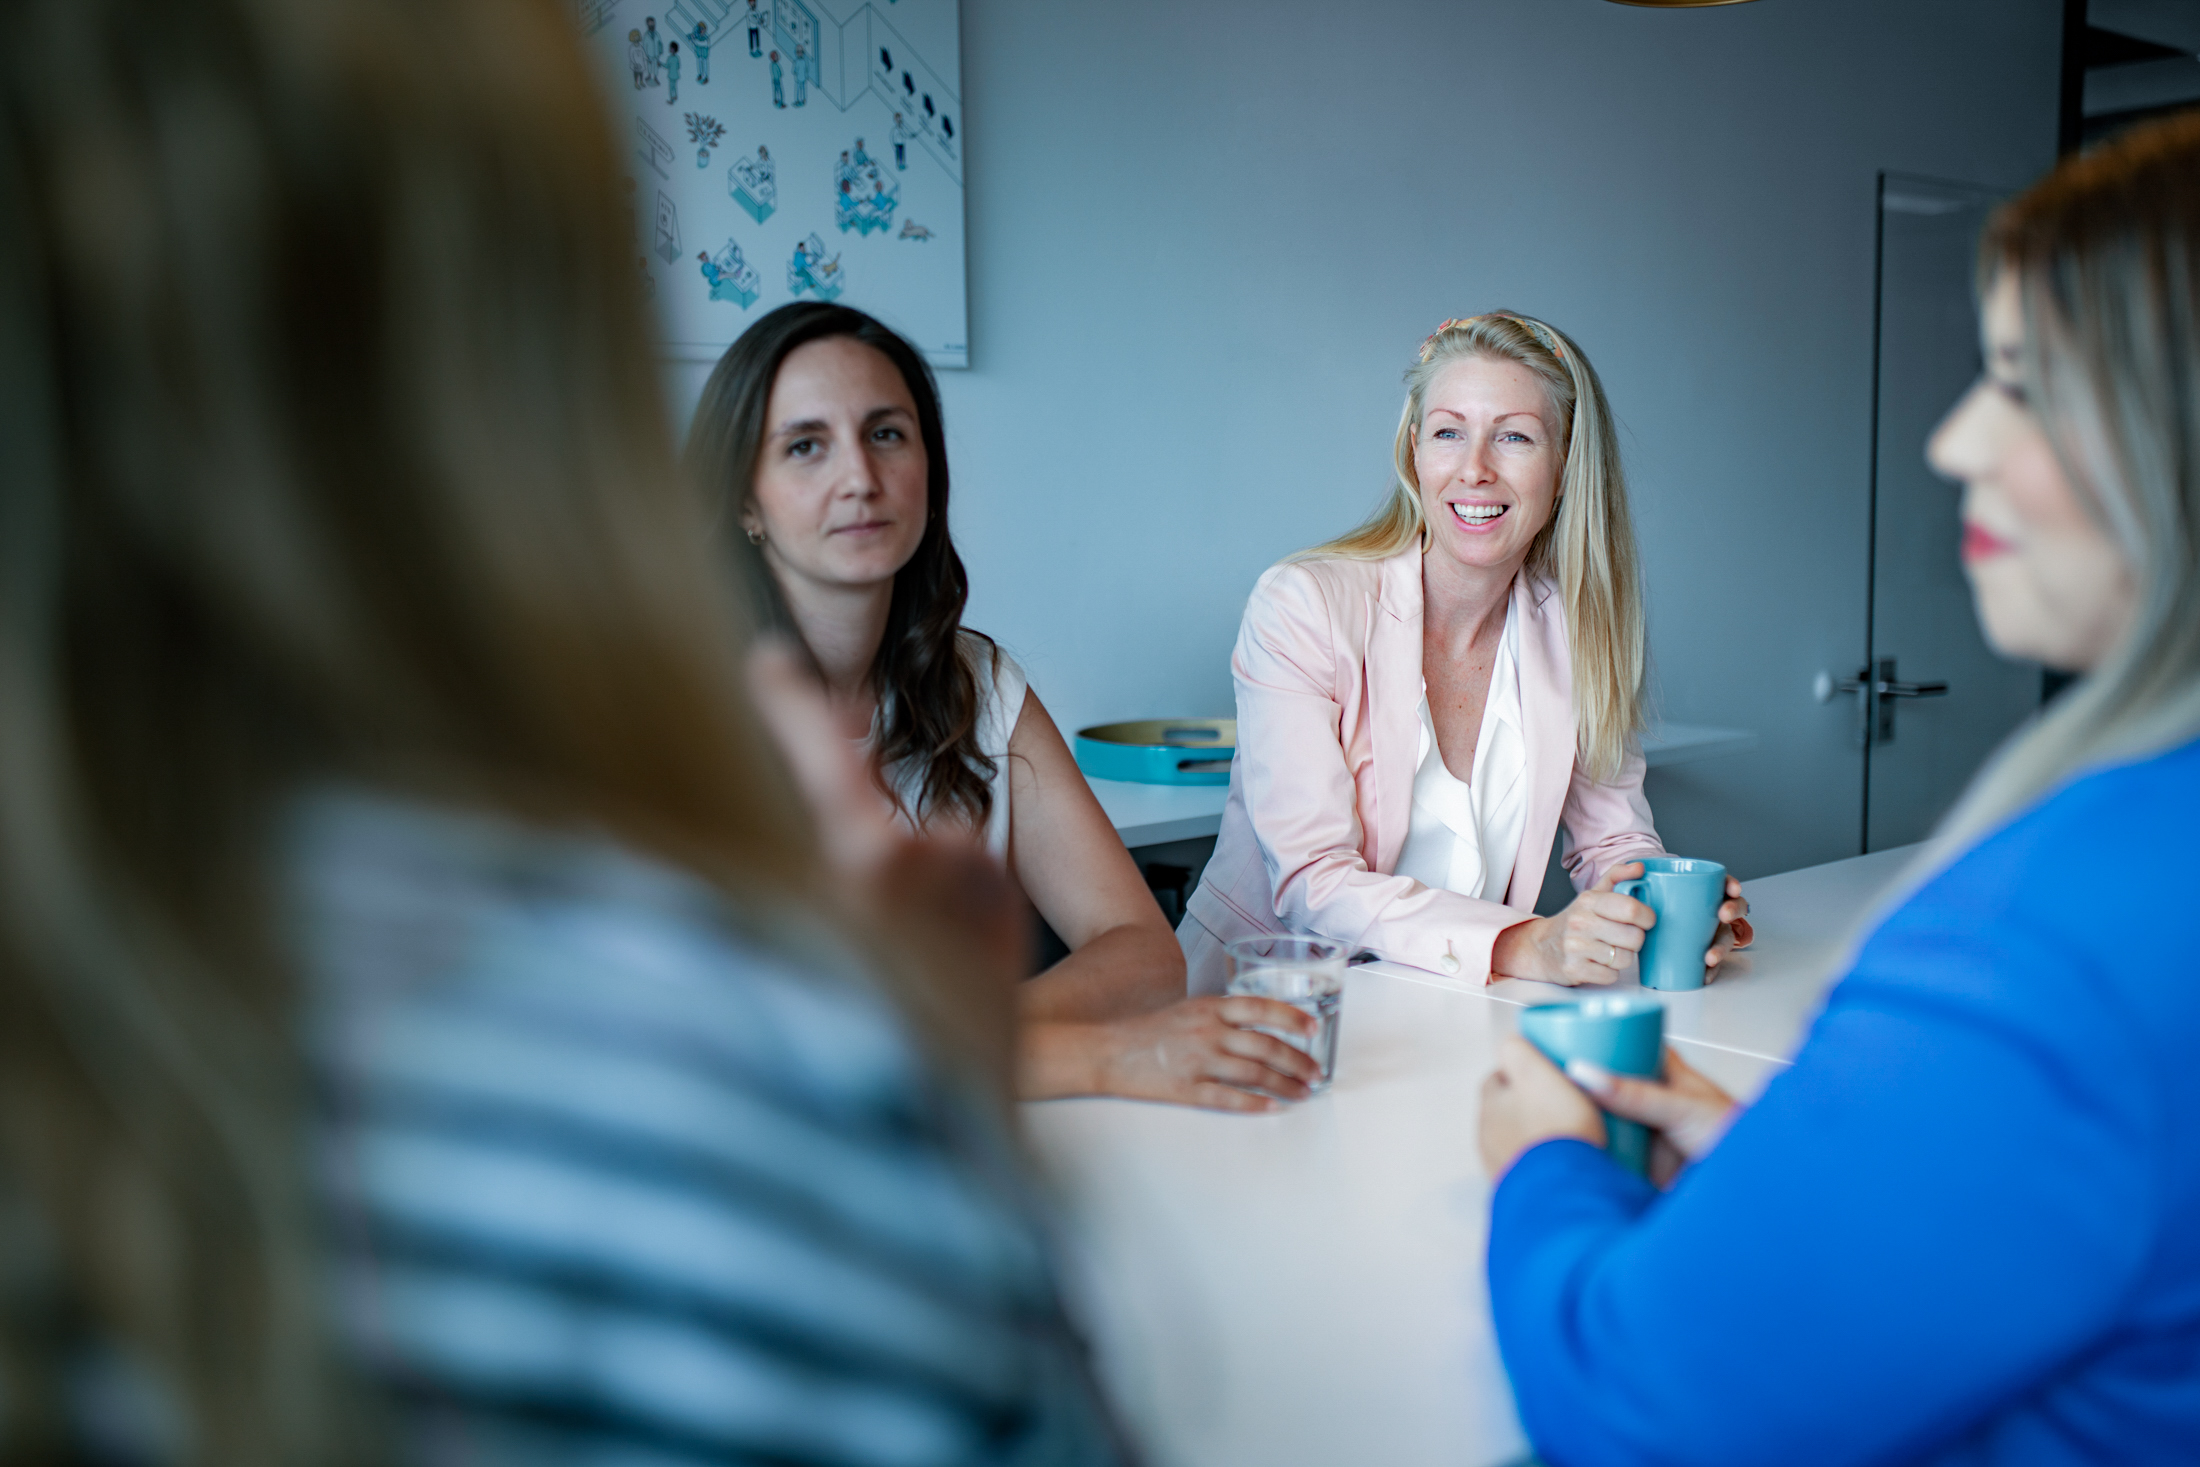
{"points": [[1544, 335]]}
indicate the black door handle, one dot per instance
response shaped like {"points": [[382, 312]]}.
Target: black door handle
{"points": [[1878, 710]]}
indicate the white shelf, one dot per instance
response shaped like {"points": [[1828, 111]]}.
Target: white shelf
{"points": [[1148, 814], [1684, 743]]}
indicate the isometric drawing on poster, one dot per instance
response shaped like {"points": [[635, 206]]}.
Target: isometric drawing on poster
{"points": [[668, 227], [704, 132], [730, 277], [864, 198], [651, 149], [856, 104], [754, 184], [811, 271]]}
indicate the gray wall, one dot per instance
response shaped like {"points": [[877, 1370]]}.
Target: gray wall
{"points": [[1207, 235]]}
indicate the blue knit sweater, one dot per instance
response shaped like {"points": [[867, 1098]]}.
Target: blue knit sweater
{"points": [[1964, 1228]]}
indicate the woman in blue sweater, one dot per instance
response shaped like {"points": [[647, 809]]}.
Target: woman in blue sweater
{"points": [[1965, 1226]]}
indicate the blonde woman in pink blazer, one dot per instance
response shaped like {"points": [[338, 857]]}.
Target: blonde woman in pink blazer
{"points": [[1423, 703]]}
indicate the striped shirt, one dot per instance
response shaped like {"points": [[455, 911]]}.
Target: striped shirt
{"points": [[612, 1182]]}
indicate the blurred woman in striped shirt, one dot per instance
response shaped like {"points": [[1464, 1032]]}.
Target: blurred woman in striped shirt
{"points": [[419, 1040]]}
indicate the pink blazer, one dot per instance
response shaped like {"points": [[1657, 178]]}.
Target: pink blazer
{"points": [[1328, 675]]}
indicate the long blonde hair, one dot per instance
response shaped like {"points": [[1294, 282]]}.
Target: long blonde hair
{"points": [[1589, 545], [2105, 252], [330, 447]]}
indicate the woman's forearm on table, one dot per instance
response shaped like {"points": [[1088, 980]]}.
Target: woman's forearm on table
{"points": [[1131, 969], [1860, 1229], [1055, 1059]]}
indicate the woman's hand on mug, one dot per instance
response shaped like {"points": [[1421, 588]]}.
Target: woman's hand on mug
{"points": [[1734, 932], [1686, 1109], [1199, 1051], [1594, 941], [1527, 1101]]}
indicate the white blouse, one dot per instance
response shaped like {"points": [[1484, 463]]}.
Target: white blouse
{"points": [[1465, 837], [1001, 685]]}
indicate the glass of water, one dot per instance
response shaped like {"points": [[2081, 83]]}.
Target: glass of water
{"points": [[1304, 972]]}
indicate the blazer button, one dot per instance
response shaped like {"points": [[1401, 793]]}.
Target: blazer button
{"points": [[1448, 962]]}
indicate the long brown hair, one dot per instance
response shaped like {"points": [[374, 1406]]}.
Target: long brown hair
{"points": [[2105, 252], [1589, 545], [330, 447], [927, 688]]}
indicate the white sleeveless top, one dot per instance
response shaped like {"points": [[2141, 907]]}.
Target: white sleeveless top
{"points": [[1465, 837], [1001, 686]]}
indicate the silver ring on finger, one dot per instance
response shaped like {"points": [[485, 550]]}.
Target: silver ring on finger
{"points": [[1615, 953]]}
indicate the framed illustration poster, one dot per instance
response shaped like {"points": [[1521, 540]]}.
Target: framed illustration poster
{"points": [[791, 150]]}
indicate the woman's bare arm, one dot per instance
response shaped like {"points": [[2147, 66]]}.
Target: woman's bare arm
{"points": [[1123, 958]]}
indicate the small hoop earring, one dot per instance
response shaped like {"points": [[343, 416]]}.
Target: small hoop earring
{"points": [[756, 536]]}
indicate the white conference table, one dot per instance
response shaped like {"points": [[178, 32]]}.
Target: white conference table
{"points": [[1305, 1289]]}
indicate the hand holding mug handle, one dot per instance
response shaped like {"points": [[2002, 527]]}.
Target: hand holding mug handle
{"points": [[1734, 932]]}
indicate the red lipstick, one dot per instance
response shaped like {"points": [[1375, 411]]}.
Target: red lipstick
{"points": [[1979, 544]]}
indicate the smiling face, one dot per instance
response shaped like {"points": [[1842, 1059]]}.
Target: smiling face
{"points": [[2050, 584], [1487, 457], [840, 486]]}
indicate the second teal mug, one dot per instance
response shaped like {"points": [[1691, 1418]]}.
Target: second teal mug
{"points": [[1623, 1032], [1685, 894]]}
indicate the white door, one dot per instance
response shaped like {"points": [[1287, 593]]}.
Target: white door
{"points": [[1933, 700]]}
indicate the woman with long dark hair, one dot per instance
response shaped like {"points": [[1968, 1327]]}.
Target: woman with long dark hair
{"points": [[819, 432]]}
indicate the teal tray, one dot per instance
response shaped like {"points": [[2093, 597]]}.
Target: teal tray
{"points": [[1159, 750]]}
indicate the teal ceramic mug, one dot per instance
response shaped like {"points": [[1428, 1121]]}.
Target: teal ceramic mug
{"points": [[1623, 1032], [1685, 894]]}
